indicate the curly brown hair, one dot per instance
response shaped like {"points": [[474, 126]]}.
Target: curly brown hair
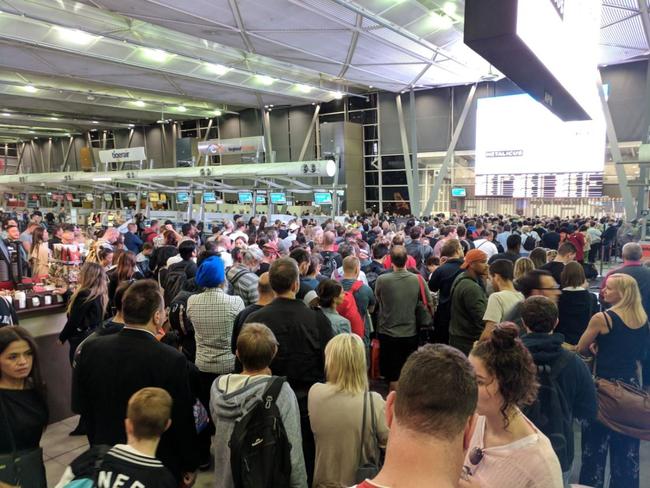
{"points": [[509, 361]]}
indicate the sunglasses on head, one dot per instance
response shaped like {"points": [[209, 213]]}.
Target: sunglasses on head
{"points": [[475, 458]]}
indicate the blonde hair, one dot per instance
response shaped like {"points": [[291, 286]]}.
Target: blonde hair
{"points": [[92, 278], [630, 302], [345, 363], [522, 267], [149, 409]]}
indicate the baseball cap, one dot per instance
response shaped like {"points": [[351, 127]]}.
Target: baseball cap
{"points": [[473, 256]]}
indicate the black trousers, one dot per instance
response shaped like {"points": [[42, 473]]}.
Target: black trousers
{"points": [[205, 436]]}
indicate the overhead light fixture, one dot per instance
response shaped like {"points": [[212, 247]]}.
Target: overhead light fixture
{"points": [[90, 98], [181, 108], [157, 55], [95, 122], [217, 69], [139, 103], [337, 95], [449, 8], [304, 88], [131, 125], [265, 80], [75, 36], [441, 21], [6, 114], [218, 113], [103, 178], [54, 118], [30, 88], [370, 86], [271, 105], [32, 132]]}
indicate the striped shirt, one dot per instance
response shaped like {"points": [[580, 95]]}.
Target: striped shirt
{"points": [[243, 283]]}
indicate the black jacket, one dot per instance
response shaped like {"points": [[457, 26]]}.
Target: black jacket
{"points": [[575, 380], [442, 279], [576, 309], [110, 369], [83, 318], [302, 334]]}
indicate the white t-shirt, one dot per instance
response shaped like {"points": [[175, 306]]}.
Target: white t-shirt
{"points": [[488, 247], [500, 303]]}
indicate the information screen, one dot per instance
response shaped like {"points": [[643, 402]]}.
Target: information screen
{"points": [[245, 197], [278, 198], [182, 197], [523, 150], [322, 198], [458, 192], [209, 197], [260, 199]]}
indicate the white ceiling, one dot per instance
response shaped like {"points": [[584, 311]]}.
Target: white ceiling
{"points": [[311, 48]]}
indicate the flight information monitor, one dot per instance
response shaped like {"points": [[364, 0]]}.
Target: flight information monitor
{"points": [[209, 197], [322, 198], [523, 150], [245, 197], [278, 198]]}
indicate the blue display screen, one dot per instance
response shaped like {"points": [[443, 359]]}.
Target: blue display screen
{"points": [[278, 198], [182, 197], [209, 197], [245, 197], [458, 192], [323, 198], [260, 199]]}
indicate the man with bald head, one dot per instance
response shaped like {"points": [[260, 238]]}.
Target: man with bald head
{"points": [[265, 296]]}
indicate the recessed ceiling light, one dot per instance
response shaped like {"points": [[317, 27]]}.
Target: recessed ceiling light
{"points": [[157, 55], [449, 8], [337, 95], [265, 80], [303, 88], [32, 132], [30, 88], [139, 103], [218, 113], [181, 108], [217, 69], [271, 105], [131, 125], [75, 36]]}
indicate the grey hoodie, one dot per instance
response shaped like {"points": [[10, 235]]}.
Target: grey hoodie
{"points": [[231, 396]]}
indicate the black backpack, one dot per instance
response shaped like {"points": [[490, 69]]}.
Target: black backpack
{"points": [[259, 447], [329, 263], [530, 243], [550, 412], [373, 271], [173, 280]]}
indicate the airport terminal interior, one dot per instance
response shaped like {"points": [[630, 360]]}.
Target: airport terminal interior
{"points": [[325, 243]]}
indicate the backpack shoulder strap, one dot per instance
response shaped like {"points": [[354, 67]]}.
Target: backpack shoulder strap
{"points": [[355, 286], [241, 273], [273, 390], [559, 364]]}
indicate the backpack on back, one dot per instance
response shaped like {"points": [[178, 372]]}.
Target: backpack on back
{"points": [[172, 281], [530, 243], [550, 412], [86, 467], [259, 447], [329, 263], [373, 271], [348, 309]]}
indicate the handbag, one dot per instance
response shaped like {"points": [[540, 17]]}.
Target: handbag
{"points": [[24, 469], [622, 407], [423, 315], [369, 469]]}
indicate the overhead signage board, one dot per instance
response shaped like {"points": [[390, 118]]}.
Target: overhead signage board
{"points": [[260, 199], [278, 198], [122, 155], [209, 197], [458, 192], [182, 197], [322, 198], [242, 145], [549, 48]]}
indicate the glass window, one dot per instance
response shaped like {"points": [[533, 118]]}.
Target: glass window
{"points": [[356, 103], [332, 118], [371, 163], [393, 177], [372, 205], [370, 148], [372, 193], [396, 193], [392, 162], [372, 178], [333, 106], [402, 208], [370, 132]]}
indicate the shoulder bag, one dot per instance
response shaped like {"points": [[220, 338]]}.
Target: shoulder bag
{"points": [[622, 407], [369, 469], [24, 469]]}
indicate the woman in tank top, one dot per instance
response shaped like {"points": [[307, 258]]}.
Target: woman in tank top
{"points": [[619, 338]]}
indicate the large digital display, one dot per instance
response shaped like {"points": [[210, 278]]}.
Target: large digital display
{"points": [[260, 199], [245, 197], [182, 197], [278, 198], [209, 197], [517, 138], [322, 198], [549, 48]]}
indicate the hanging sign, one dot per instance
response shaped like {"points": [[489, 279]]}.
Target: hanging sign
{"points": [[242, 145], [122, 155]]}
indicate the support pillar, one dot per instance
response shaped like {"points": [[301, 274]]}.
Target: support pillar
{"points": [[450, 152], [312, 125], [415, 196], [406, 153]]}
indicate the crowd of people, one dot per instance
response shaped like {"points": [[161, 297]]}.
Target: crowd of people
{"points": [[328, 354]]}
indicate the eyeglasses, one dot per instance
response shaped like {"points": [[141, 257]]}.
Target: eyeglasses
{"points": [[475, 457]]}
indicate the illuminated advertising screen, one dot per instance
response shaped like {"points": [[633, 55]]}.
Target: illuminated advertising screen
{"points": [[278, 198], [322, 198], [549, 48], [245, 197]]}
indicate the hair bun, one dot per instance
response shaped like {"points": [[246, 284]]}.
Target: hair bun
{"points": [[505, 335]]}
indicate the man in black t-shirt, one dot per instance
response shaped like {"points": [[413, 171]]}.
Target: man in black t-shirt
{"points": [[565, 254]]}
